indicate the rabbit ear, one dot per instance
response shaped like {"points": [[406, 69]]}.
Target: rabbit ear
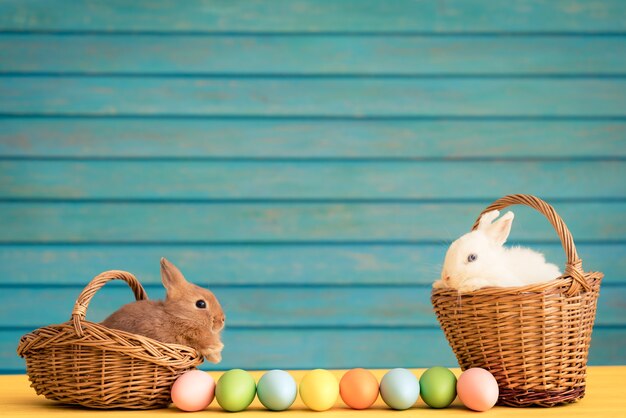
{"points": [[487, 219], [172, 278], [500, 229]]}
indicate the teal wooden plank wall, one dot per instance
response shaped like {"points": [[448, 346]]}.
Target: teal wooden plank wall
{"points": [[307, 160]]}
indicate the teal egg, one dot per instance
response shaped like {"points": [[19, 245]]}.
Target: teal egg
{"points": [[277, 390], [235, 390], [399, 389], [438, 386]]}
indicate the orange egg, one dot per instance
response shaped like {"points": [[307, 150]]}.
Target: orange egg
{"points": [[358, 388]]}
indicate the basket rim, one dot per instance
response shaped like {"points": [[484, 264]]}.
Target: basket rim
{"points": [[119, 341], [552, 286]]}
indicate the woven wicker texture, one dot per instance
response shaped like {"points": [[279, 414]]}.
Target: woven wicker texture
{"points": [[534, 339], [85, 363]]}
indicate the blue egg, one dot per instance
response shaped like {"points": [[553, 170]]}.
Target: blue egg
{"points": [[400, 389], [277, 390]]}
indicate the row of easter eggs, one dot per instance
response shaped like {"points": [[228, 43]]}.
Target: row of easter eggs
{"points": [[319, 389]]}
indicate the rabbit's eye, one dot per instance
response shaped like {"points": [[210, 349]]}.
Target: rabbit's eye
{"points": [[472, 257], [201, 304]]}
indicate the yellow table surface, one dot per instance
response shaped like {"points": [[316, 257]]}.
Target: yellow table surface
{"points": [[606, 397]]}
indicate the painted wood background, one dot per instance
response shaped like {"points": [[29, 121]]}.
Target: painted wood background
{"points": [[307, 160]]}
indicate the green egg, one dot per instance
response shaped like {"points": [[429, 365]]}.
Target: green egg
{"points": [[438, 387], [235, 390]]}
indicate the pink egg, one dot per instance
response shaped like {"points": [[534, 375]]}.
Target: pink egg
{"points": [[477, 389], [193, 391]]}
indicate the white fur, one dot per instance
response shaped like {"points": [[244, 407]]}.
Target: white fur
{"points": [[495, 265]]}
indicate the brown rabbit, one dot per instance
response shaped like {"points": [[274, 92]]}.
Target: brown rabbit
{"points": [[189, 315]]}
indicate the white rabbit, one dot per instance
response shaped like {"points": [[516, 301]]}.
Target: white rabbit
{"points": [[478, 259]]}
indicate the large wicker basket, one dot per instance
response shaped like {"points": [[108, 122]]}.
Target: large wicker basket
{"points": [[533, 339], [85, 363]]}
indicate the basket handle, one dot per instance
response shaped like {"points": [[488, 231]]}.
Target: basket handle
{"points": [[573, 267], [82, 303]]}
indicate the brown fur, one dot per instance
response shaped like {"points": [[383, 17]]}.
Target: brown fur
{"points": [[176, 319]]}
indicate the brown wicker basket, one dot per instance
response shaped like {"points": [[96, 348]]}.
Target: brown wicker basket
{"points": [[85, 363], [534, 339]]}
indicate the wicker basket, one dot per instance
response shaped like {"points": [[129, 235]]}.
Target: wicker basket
{"points": [[534, 339], [85, 363]]}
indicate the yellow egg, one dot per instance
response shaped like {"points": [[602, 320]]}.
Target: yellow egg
{"points": [[319, 390]]}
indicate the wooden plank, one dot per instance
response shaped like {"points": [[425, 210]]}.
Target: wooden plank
{"points": [[398, 306], [258, 306], [164, 223], [336, 97], [339, 348], [169, 180], [315, 16], [328, 348], [197, 138], [355, 348], [322, 54], [270, 265]]}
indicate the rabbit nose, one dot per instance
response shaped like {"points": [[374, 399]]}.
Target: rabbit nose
{"points": [[218, 322]]}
